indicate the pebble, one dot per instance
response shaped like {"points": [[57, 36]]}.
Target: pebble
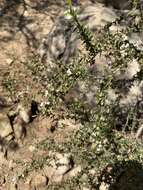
{"points": [[9, 61], [139, 132], [104, 186], [32, 148]]}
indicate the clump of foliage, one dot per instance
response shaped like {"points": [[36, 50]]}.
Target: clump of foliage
{"points": [[98, 144]]}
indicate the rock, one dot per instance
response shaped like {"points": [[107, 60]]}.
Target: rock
{"points": [[53, 175], [2, 180], [62, 159], [13, 187], [5, 126], [55, 43], [19, 129], [85, 188], [11, 164], [39, 181], [9, 61], [60, 165], [92, 172], [139, 132], [73, 172], [62, 170], [104, 186], [32, 148], [56, 178], [49, 171], [63, 163], [24, 113]]}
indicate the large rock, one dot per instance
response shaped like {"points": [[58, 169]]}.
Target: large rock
{"points": [[62, 41]]}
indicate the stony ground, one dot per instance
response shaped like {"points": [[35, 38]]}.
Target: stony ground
{"points": [[26, 159], [22, 163]]}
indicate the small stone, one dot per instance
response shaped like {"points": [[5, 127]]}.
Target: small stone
{"points": [[14, 179], [62, 159], [2, 180], [139, 132], [64, 163], [85, 188], [26, 14], [92, 171], [60, 165], [9, 61], [32, 148], [11, 164], [39, 181], [104, 186]]}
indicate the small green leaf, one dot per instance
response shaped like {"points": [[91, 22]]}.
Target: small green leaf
{"points": [[69, 3]]}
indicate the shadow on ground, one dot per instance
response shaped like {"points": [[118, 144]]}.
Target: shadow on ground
{"points": [[126, 175]]}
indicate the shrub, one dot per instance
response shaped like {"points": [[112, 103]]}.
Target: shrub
{"points": [[99, 143]]}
